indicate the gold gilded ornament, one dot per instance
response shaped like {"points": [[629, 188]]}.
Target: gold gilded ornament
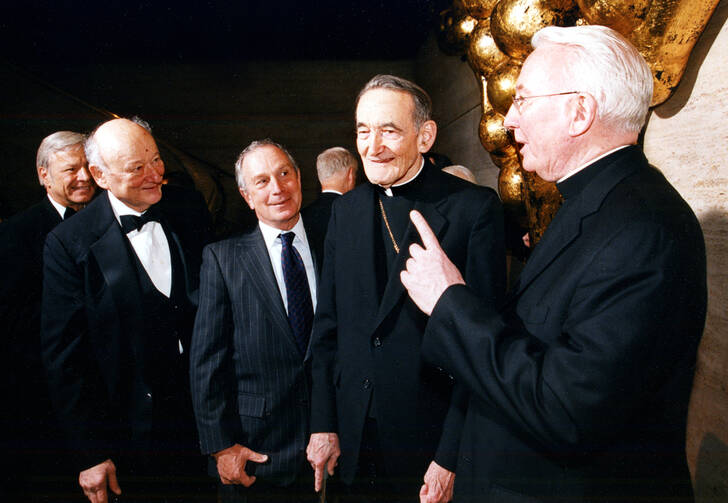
{"points": [[621, 15], [455, 29], [492, 134], [483, 53], [502, 86], [664, 31], [479, 9], [513, 22]]}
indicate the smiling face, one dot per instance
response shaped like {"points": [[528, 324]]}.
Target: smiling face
{"points": [[388, 141], [134, 167], [542, 126], [272, 187], [66, 177]]}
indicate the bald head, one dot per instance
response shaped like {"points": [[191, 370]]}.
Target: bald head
{"points": [[124, 159]]}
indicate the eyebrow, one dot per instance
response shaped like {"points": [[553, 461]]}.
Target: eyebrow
{"points": [[380, 126]]}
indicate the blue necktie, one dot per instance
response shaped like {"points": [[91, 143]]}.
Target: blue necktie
{"points": [[300, 307]]}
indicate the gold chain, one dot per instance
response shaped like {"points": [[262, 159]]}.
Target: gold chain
{"points": [[386, 222]]}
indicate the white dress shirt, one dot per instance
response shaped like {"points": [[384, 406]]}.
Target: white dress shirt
{"points": [[272, 239], [59, 207], [150, 245]]}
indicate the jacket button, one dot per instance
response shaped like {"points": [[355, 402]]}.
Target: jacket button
{"points": [[366, 383], [377, 342]]}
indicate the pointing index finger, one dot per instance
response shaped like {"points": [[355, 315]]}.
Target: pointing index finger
{"points": [[429, 240]]}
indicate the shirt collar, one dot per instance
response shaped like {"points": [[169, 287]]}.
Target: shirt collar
{"points": [[119, 208], [332, 191], [270, 234], [605, 154], [58, 206], [388, 190]]}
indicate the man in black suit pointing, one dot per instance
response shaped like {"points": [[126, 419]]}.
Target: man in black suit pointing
{"points": [[579, 385]]}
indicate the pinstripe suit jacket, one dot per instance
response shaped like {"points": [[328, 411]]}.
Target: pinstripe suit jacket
{"points": [[248, 379]]}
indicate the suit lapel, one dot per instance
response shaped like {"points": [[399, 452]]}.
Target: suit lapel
{"points": [[566, 225], [112, 256], [255, 261], [394, 289]]}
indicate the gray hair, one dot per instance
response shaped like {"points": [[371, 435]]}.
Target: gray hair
{"points": [[608, 67], [56, 142], [460, 172], [91, 147], [423, 103], [255, 145], [334, 161]]}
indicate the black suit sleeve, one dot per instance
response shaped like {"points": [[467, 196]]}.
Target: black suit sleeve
{"points": [[485, 273], [212, 373], [324, 342], [74, 379], [618, 343]]}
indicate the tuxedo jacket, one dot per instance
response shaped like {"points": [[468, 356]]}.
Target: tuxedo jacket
{"points": [[248, 379], [317, 213], [23, 378], [93, 316], [367, 332], [580, 383]]}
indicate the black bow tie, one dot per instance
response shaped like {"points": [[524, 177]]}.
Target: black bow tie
{"points": [[135, 223]]}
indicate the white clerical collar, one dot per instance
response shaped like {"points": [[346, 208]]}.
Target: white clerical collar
{"points": [[59, 207], [605, 154], [119, 208], [388, 190], [270, 234], [332, 191]]}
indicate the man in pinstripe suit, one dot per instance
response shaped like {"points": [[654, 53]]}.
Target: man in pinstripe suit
{"points": [[250, 387]]}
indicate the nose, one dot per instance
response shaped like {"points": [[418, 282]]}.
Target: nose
{"points": [[82, 175], [375, 142], [275, 184], [511, 120], [155, 171]]}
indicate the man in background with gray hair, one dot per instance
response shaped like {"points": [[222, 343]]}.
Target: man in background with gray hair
{"points": [[119, 298], [63, 172], [337, 169], [579, 384]]}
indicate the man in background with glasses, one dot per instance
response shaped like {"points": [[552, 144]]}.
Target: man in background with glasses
{"points": [[579, 384]]}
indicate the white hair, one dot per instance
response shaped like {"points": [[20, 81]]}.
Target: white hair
{"points": [[461, 172], [334, 161], [56, 142], [607, 66]]}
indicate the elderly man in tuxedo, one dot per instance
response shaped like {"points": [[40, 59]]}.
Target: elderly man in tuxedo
{"points": [[579, 384], [250, 386], [118, 304], [63, 172], [374, 399]]}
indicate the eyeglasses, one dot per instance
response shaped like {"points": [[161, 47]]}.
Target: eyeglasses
{"points": [[518, 101]]}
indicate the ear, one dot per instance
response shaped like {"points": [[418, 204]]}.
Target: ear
{"points": [[583, 114], [247, 199], [42, 175], [99, 176], [426, 136]]}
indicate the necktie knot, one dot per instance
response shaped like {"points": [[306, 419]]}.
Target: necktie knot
{"points": [[135, 223], [69, 212]]}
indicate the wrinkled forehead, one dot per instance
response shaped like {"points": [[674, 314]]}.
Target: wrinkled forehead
{"points": [[381, 106], [543, 69], [123, 139]]}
